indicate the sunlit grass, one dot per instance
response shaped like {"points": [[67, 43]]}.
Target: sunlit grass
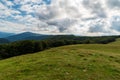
{"points": [[74, 62]]}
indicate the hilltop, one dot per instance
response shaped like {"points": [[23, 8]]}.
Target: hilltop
{"points": [[26, 36], [73, 62]]}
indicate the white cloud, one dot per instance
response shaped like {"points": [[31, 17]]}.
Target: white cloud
{"points": [[2, 6], [11, 27], [27, 8], [5, 11], [9, 3], [81, 17], [24, 2], [91, 17]]}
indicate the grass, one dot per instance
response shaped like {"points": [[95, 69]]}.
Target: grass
{"points": [[74, 62]]}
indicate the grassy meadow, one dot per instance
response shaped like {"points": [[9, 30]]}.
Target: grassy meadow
{"points": [[73, 62]]}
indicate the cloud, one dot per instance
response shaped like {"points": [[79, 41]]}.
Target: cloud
{"points": [[2, 6], [27, 8], [6, 26], [115, 23], [97, 27], [113, 3], [95, 7], [5, 11], [83, 17], [24, 2], [62, 25], [79, 17], [8, 3]]}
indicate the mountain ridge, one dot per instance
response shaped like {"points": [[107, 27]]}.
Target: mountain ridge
{"points": [[5, 34], [24, 36]]}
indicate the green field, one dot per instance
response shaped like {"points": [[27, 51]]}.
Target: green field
{"points": [[74, 62]]}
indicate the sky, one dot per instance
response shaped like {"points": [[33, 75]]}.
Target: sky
{"points": [[78, 17]]}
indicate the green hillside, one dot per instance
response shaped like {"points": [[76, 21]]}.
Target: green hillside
{"points": [[74, 62]]}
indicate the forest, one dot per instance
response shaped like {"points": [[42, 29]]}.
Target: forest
{"points": [[31, 46]]}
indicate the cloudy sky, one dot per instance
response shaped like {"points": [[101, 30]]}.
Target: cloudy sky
{"points": [[79, 17]]}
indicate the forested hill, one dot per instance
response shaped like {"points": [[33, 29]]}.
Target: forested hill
{"points": [[2, 41], [35, 36], [26, 36], [84, 39], [31, 46], [5, 34]]}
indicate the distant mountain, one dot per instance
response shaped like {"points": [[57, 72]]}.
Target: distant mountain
{"points": [[26, 36], [4, 34], [41, 37], [2, 41]]}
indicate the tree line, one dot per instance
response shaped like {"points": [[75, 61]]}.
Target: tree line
{"points": [[32, 46], [2, 41]]}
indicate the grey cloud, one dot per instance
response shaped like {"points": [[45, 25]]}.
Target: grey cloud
{"points": [[95, 7], [66, 17], [51, 15], [97, 28], [115, 24], [62, 25], [48, 13], [113, 3], [70, 10], [90, 18]]}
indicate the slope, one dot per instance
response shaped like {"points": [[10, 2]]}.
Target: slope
{"points": [[2, 41], [74, 62], [25, 36], [5, 34]]}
